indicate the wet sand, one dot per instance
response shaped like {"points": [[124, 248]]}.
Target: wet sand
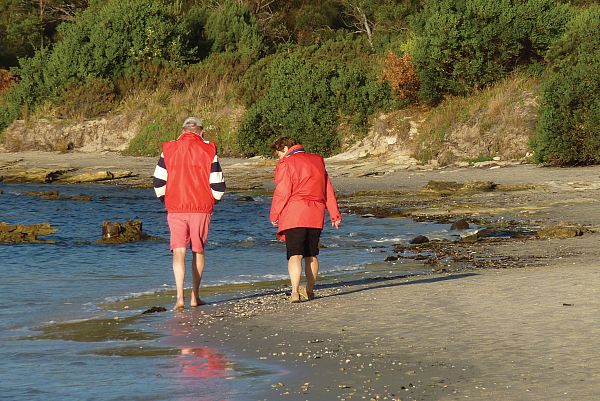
{"points": [[529, 332]]}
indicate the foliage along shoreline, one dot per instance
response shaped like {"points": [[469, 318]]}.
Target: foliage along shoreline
{"points": [[320, 71]]}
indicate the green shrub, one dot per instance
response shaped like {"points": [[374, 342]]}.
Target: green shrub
{"points": [[466, 44], [194, 37], [94, 97], [299, 103], [231, 27], [312, 22], [306, 91], [151, 77], [150, 138], [568, 131], [256, 82], [227, 64], [25, 94], [9, 110], [21, 30], [256, 132], [107, 40], [118, 37]]}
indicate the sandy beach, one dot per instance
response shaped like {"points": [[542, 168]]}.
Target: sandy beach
{"points": [[515, 334], [526, 329]]}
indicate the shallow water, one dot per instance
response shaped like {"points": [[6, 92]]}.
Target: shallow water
{"points": [[76, 282]]}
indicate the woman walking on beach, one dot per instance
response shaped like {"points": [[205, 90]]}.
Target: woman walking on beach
{"points": [[302, 192]]}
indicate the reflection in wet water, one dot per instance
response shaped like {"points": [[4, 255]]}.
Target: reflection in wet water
{"points": [[203, 363], [202, 369], [215, 376]]}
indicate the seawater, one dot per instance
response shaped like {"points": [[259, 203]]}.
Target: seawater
{"points": [[65, 334]]}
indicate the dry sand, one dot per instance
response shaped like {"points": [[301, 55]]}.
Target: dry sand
{"points": [[526, 333]]}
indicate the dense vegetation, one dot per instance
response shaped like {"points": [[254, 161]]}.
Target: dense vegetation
{"points": [[317, 70], [569, 123]]}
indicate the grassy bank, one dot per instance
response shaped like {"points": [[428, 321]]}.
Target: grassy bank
{"points": [[497, 121]]}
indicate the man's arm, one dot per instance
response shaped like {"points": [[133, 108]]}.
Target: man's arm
{"points": [[160, 178], [216, 179]]}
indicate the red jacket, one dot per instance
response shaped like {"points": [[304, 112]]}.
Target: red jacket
{"points": [[188, 161], [302, 192]]}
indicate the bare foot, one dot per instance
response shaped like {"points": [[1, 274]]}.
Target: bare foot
{"points": [[196, 301], [179, 307]]}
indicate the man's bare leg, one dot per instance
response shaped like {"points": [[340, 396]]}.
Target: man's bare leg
{"points": [[311, 269], [197, 270], [295, 271], [179, 273]]}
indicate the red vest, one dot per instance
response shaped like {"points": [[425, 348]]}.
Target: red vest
{"points": [[188, 161], [302, 192]]}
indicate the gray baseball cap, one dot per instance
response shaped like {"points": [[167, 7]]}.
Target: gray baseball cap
{"points": [[192, 121]]}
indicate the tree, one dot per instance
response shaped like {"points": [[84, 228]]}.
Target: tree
{"points": [[568, 131], [462, 45], [108, 40], [27, 25], [381, 17], [231, 27], [20, 32], [356, 18], [305, 92]]}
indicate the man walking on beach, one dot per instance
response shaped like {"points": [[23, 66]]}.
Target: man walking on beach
{"points": [[188, 179], [302, 192]]}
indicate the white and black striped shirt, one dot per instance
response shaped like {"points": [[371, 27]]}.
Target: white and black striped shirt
{"points": [[216, 179]]}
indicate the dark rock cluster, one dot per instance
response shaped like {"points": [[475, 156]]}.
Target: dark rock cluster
{"points": [[121, 233], [20, 233], [54, 195]]}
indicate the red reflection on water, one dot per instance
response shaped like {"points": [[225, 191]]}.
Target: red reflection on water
{"points": [[201, 372], [203, 363]]}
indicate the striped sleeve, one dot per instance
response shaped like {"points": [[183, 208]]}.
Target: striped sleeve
{"points": [[160, 178], [216, 179]]}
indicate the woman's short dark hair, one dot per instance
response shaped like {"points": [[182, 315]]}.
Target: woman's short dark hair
{"points": [[282, 142]]}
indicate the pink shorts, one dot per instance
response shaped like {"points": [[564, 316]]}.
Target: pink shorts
{"points": [[189, 228]]}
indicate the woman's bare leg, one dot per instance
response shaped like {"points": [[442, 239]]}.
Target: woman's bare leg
{"points": [[295, 271], [311, 269]]}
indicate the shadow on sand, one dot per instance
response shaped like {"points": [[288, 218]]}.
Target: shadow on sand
{"points": [[353, 286]]}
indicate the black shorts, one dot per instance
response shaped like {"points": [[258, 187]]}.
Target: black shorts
{"points": [[302, 241]]}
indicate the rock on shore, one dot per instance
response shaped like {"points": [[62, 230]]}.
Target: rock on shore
{"points": [[20, 233]]}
